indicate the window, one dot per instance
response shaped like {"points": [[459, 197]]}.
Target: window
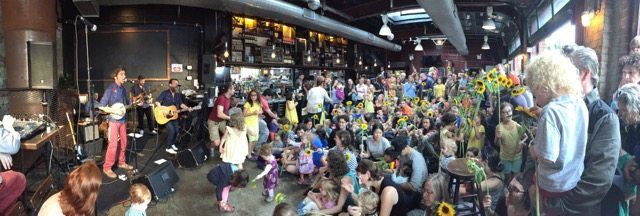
{"points": [[533, 24], [544, 13], [558, 5], [409, 16]]}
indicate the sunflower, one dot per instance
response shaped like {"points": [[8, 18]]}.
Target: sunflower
{"points": [[320, 105], [509, 83], [360, 106], [502, 80], [363, 126], [423, 83], [286, 127], [335, 112], [492, 75], [423, 103], [416, 100], [446, 209], [315, 117], [358, 120], [387, 103], [349, 103], [347, 156], [280, 198], [480, 87], [518, 91], [456, 102], [430, 113], [307, 152]]}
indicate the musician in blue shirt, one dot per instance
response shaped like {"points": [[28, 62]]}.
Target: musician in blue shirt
{"points": [[116, 96], [142, 91], [171, 97]]}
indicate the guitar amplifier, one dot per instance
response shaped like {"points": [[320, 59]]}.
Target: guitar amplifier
{"points": [[88, 132]]}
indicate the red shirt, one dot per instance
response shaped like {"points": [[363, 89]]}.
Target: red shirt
{"points": [[221, 101]]}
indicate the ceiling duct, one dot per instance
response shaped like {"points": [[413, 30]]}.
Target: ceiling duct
{"points": [[444, 15], [277, 10]]}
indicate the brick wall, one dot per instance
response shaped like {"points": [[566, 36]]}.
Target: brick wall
{"points": [[4, 99]]}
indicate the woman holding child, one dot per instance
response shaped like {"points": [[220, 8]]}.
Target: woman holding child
{"points": [[393, 199]]}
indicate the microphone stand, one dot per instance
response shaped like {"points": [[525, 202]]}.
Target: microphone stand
{"points": [[86, 46]]}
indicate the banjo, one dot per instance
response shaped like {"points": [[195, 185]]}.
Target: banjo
{"points": [[116, 111]]}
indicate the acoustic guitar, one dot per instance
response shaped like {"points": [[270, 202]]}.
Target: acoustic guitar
{"points": [[164, 114]]}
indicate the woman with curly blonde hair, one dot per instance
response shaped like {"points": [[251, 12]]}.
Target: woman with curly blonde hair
{"points": [[561, 137]]}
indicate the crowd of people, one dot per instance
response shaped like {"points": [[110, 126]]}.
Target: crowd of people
{"points": [[382, 145], [541, 143]]}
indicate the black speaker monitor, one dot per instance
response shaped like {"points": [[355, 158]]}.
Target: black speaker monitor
{"points": [[161, 180], [41, 65]]}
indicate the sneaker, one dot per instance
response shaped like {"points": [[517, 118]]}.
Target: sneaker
{"points": [[264, 193], [109, 173], [269, 199], [174, 147], [154, 132], [141, 132], [126, 166], [171, 151]]}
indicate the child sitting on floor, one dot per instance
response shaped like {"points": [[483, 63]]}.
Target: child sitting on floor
{"points": [[140, 198], [305, 159], [226, 176], [270, 173], [325, 197]]}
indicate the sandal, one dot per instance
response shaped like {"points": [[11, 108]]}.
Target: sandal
{"points": [[225, 206]]}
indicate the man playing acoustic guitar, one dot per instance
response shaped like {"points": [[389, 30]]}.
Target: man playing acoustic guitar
{"points": [[113, 102], [171, 97]]}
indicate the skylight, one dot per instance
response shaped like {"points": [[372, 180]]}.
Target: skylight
{"points": [[408, 16]]}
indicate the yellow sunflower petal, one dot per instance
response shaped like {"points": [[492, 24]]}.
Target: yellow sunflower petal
{"points": [[518, 91], [349, 103], [363, 126]]}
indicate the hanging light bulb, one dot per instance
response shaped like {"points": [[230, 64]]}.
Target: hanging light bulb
{"points": [[389, 65], [360, 61], [338, 58], [375, 63], [273, 54], [366, 67], [308, 55], [226, 52]]}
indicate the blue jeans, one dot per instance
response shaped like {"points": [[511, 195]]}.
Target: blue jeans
{"points": [[172, 127], [263, 132]]}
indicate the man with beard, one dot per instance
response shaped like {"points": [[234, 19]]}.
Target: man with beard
{"points": [[171, 97]]}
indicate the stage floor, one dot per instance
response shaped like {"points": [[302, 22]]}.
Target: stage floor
{"points": [[194, 195]]}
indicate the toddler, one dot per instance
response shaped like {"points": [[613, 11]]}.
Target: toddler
{"points": [[234, 147], [305, 159], [270, 173], [225, 176], [140, 197]]}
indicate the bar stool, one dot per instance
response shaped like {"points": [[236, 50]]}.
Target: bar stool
{"points": [[459, 175]]}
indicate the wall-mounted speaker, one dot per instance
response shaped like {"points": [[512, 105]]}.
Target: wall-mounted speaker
{"points": [[41, 64]]}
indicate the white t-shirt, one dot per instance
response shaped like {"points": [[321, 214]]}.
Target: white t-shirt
{"points": [[316, 95], [51, 207], [362, 91]]}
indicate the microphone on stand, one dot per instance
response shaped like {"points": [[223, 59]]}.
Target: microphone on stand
{"points": [[89, 24]]}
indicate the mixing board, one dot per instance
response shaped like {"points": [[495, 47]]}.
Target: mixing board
{"points": [[29, 128]]}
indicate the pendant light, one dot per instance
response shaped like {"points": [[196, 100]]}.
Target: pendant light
{"points": [[385, 30], [489, 24], [486, 46]]}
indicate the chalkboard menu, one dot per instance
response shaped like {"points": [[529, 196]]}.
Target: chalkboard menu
{"points": [[142, 52]]}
